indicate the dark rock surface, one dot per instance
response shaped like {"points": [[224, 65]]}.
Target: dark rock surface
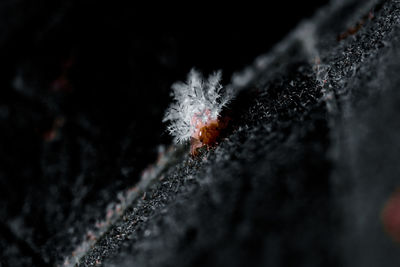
{"points": [[301, 177], [304, 172]]}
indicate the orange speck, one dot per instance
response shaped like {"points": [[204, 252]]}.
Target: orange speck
{"points": [[391, 216], [49, 135], [206, 134]]}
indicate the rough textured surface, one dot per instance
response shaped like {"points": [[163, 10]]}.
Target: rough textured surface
{"points": [[301, 177], [305, 169]]}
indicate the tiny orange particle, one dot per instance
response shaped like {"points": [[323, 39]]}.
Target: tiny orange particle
{"points": [[391, 216], [206, 134]]}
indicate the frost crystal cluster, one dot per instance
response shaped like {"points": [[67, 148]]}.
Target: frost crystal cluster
{"points": [[196, 103]]}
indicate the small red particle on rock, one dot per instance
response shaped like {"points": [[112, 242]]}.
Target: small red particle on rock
{"points": [[391, 216], [91, 236], [61, 84], [206, 134], [49, 135]]}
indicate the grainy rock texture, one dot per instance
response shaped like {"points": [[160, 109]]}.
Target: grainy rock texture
{"points": [[84, 88], [305, 169], [301, 177]]}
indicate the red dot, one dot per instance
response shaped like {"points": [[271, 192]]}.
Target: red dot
{"points": [[391, 216]]}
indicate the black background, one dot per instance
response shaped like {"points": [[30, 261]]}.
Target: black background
{"points": [[117, 63]]}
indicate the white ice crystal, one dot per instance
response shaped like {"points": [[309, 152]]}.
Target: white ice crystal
{"points": [[197, 100]]}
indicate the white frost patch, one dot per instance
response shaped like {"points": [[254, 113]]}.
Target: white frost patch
{"points": [[197, 101]]}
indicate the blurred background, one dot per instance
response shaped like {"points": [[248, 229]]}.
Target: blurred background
{"points": [[83, 89]]}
